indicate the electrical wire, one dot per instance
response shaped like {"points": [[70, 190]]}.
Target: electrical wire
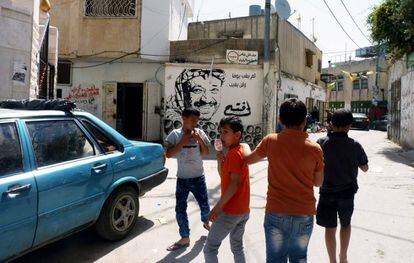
{"points": [[150, 55], [360, 30], [182, 21], [339, 23]]}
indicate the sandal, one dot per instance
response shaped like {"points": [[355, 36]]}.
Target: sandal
{"points": [[177, 246], [207, 227]]}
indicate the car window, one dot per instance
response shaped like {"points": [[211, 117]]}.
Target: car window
{"points": [[11, 159], [106, 143], [58, 141]]}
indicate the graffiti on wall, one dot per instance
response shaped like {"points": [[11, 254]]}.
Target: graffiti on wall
{"points": [[85, 97], [216, 94]]}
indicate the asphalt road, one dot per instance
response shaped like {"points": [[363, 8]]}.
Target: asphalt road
{"points": [[382, 231]]}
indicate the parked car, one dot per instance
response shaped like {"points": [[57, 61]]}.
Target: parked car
{"points": [[361, 121], [380, 124], [61, 172]]}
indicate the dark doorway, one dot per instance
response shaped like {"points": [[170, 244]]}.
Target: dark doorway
{"points": [[129, 110]]}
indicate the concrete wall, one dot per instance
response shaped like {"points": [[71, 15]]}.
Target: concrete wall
{"points": [[87, 84], [83, 36], [348, 94], [302, 90], [293, 43], [18, 74], [407, 110], [399, 72], [231, 90]]}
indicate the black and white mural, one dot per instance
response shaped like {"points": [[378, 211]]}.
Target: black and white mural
{"points": [[226, 91]]}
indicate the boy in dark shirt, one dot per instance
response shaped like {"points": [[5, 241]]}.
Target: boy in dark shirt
{"points": [[343, 156]]}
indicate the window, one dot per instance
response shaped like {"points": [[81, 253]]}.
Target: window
{"points": [[340, 83], [364, 83], [58, 141], [355, 84], [59, 93], [309, 58], [64, 75], [11, 159], [319, 65], [107, 144], [110, 8]]}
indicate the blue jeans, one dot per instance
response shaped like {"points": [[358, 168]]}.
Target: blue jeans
{"points": [[287, 237], [197, 186]]}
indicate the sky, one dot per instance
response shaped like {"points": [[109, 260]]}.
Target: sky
{"points": [[330, 37]]}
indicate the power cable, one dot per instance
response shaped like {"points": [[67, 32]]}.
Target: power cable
{"points": [[354, 21], [150, 55], [339, 23], [182, 21]]}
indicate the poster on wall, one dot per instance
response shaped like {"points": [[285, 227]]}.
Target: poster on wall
{"points": [[19, 73], [243, 57], [215, 93]]}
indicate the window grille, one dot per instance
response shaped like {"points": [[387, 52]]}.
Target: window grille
{"points": [[110, 8]]}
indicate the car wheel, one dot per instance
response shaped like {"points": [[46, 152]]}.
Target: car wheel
{"points": [[119, 214]]}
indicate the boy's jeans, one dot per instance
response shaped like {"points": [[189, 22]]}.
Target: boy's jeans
{"points": [[198, 187], [224, 225], [287, 237]]}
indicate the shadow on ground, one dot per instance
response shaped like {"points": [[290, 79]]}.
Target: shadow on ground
{"points": [[84, 246], [175, 256]]}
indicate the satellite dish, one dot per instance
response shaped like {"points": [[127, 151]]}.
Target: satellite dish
{"points": [[283, 9]]}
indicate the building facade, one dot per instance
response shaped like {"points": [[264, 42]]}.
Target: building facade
{"points": [[401, 102], [28, 50], [111, 60], [224, 60], [363, 90]]}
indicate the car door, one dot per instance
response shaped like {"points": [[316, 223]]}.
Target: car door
{"points": [[72, 175], [18, 193]]}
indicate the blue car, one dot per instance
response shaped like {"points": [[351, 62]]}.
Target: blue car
{"points": [[63, 171]]}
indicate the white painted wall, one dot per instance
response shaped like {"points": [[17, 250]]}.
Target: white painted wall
{"points": [[407, 109], [240, 94], [161, 22], [86, 89], [301, 89], [18, 21]]}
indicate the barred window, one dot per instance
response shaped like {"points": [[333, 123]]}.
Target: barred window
{"points": [[110, 8]]}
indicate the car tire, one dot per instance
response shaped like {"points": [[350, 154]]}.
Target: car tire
{"points": [[119, 214]]}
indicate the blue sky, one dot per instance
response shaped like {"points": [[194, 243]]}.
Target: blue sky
{"points": [[330, 36]]}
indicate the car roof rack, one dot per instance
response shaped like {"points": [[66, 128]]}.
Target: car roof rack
{"points": [[38, 104]]}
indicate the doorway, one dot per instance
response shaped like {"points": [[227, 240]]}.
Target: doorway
{"points": [[129, 117]]}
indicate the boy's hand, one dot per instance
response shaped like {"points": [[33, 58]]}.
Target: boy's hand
{"points": [[215, 213], [186, 138], [197, 136]]}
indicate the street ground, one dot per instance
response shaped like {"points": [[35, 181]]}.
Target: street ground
{"points": [[382, 226]]}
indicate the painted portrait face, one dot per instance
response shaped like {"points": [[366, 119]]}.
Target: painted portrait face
{"points": [[205, 95]]}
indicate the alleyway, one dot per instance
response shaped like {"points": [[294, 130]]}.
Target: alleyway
{"points": [[383, 222]]}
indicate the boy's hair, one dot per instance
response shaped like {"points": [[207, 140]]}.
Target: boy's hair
{"points": [[187, 112], [342, 118], [292, 112], [233, 122]]}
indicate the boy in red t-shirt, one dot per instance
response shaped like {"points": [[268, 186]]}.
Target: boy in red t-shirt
{"points": [[231, 213]]}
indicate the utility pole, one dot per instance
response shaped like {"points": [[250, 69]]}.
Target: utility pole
{"points": [[267, 91]]}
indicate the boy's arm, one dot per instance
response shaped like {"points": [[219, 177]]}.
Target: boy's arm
{"points": [[258, 154], [173, 149], [231, 190], [364, 168], [220, 159], [203, 147], [318, 179]]}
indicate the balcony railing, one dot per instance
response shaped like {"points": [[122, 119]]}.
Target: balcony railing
{"points": [[110, 8]]}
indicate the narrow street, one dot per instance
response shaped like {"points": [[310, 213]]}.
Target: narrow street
{"points": [[383, 221]]}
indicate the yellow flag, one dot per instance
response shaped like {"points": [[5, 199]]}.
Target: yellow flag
{"points": [[45, 5], [331, 85], [351, 76]]}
